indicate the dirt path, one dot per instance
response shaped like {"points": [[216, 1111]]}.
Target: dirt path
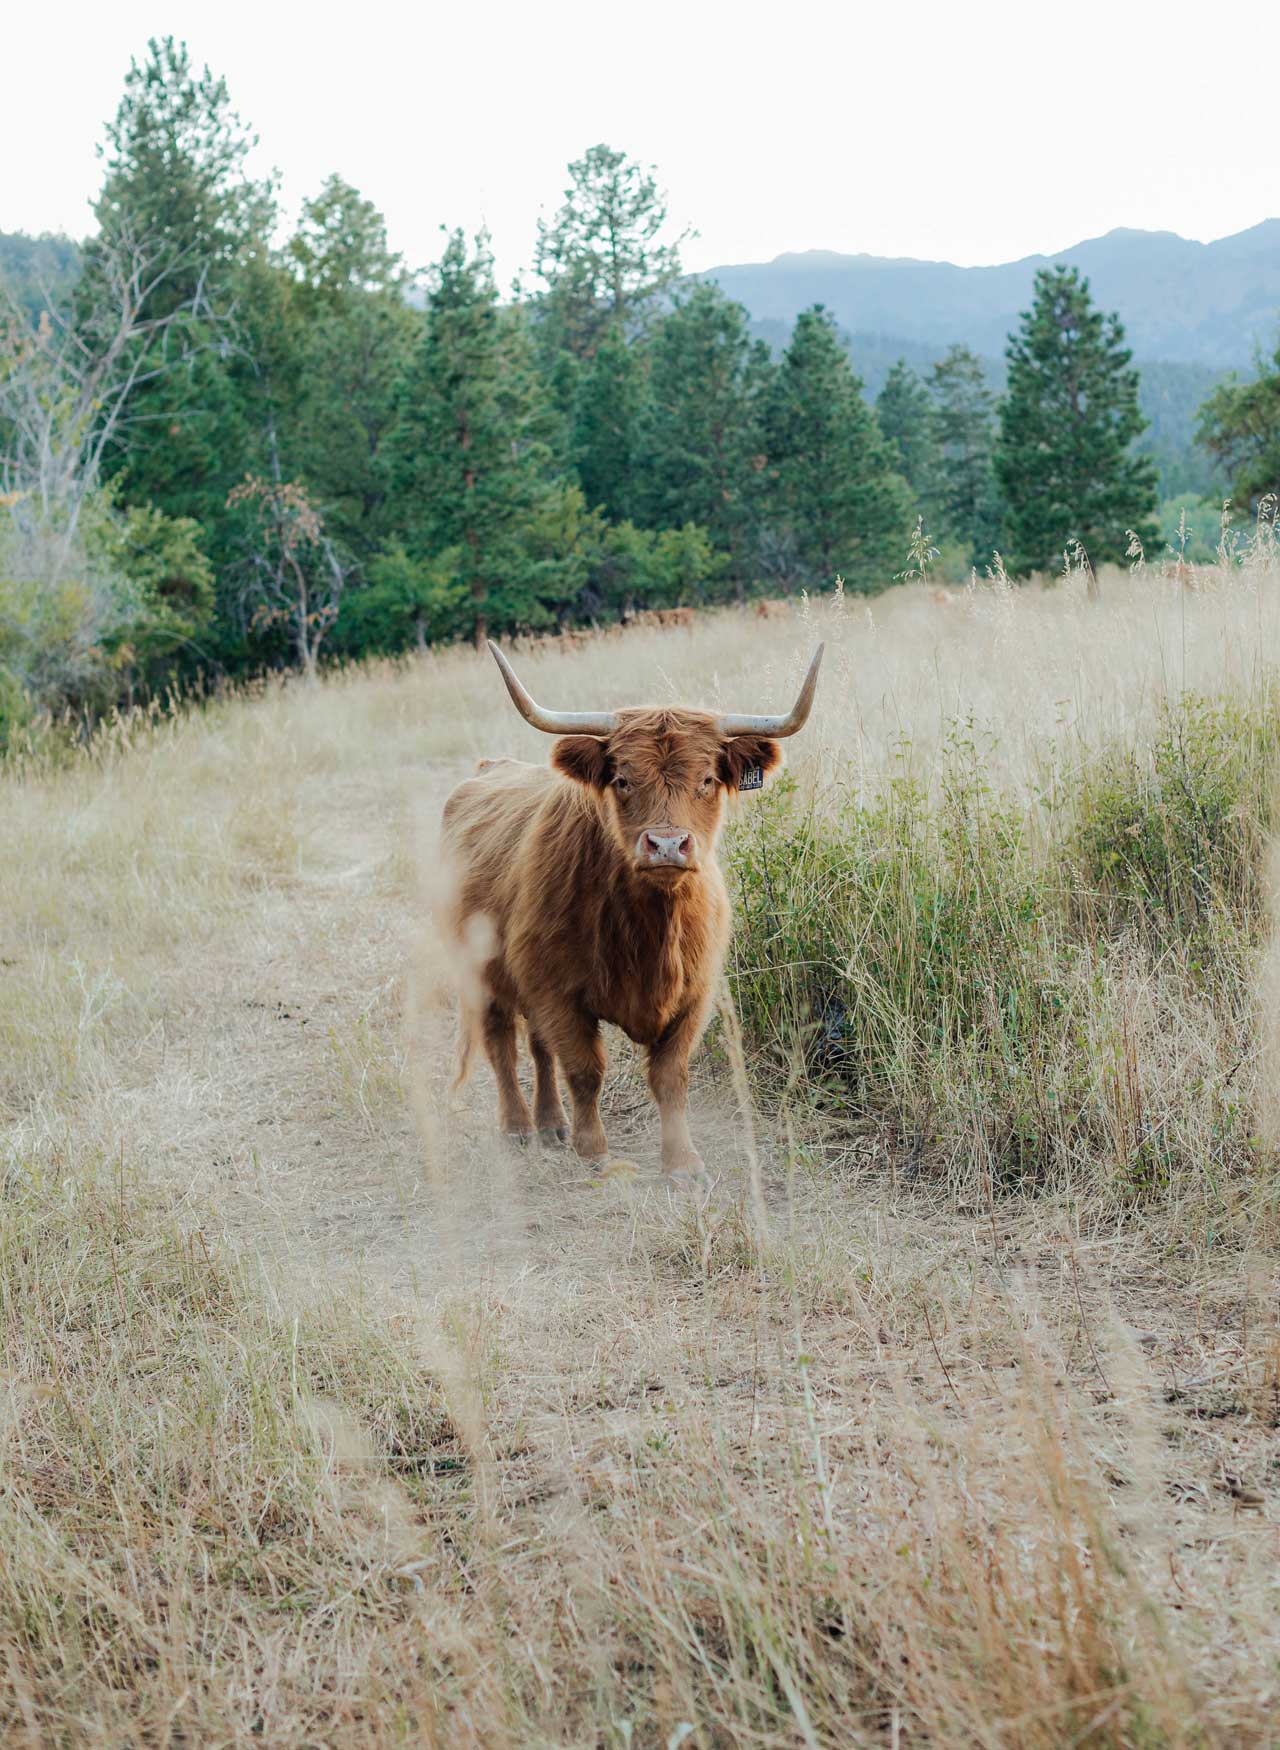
{"points": [[282, 1093], [280, 1088]]}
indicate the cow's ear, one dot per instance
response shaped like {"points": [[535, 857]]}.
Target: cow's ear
{"points": [[584, 758], [747, 760]]}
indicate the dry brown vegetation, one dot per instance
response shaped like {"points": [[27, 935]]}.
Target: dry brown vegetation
{"points": [[324, 1419]]}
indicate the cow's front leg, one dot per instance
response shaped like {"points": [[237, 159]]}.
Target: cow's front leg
{"points": [[669, 1084], [575, 1040]]}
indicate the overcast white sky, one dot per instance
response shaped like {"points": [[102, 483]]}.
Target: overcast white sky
{"points": [[976, 131]]}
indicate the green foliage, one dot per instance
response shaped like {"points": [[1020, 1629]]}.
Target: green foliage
{"points": [[908, 953], [614, 442], [1240, 426], [1190, 528], [608, 400], [1064, 459], [908, 422], [831, 476], [603, 259], [340, 246], [964, 423], [38, 273], [962, 972], [175, 181], [1170, 396], [176, 191], [170, 584], [1172, 838], [406, 603], [704, 458], [87, 615], [469, 462]]}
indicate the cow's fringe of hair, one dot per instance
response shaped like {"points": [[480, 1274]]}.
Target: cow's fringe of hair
{"points": [[468, 1031]]}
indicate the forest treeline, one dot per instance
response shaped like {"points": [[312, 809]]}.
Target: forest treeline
{"points": [[221, 454]]}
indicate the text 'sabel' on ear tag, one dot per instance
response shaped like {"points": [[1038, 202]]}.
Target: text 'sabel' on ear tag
{"points": [[752, 779]]}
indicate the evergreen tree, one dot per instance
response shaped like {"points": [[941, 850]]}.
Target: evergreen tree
{"points": [[340, 246], [603, 259], [1240, 426], [1064, 458], [704, 431], [355, 334], [905, 412], [965, 427], [176, 191], [834, 485], [468, 459], [176, 183], [608, 405]]}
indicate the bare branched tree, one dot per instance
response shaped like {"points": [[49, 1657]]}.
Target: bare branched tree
{"points": [[292, 573], [67, 386]]}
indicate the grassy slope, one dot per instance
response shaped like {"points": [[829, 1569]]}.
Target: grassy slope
{"points": [[321, 1418]]}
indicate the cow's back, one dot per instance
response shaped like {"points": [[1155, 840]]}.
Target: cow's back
{"points": [[486, 821]]}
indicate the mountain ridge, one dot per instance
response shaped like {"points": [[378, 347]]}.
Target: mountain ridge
{"points": [[1180, 300]]}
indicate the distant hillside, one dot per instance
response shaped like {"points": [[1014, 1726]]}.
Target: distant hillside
{"points": [[39, 270], [1192, 312], [1193, 303]]}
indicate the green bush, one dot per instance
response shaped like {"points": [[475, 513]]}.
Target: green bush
{"points": [[969, 976], [1171, 837]]}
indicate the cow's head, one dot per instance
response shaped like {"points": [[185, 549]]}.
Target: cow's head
{"points": [[663, 774]]}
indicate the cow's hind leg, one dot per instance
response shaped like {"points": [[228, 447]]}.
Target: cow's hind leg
{"points": [[548, 1113], [499, 1031]]}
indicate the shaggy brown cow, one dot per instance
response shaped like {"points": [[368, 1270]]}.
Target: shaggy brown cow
{"points": [[589, 891]]}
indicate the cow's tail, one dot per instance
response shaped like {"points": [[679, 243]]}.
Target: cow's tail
{"points": [[468, 1038]]}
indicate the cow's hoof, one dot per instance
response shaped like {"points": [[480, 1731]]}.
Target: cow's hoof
{"points": [[554, 1133], [518, 1138], [691, 1178]]}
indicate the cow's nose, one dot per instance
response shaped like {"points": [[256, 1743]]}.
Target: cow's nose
{"points": [[658, 850]]}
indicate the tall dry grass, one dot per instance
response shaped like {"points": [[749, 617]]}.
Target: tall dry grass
{"points": [[963, 1431]]}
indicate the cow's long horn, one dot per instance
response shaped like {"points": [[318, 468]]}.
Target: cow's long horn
{"points": [[795, 719], [554, 722]]}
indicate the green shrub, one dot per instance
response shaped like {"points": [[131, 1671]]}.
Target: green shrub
{"points": [[1171, 836], [970, 976]]}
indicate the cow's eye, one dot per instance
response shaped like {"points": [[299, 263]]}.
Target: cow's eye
{"points": [[707, 785], [622, 786]]}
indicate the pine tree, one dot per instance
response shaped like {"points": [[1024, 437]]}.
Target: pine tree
{"points": [[176, 191], [355, 333], [468, 458], [905, 412], [1064, 458], [608, 404], [704, 431], [176, 182], [340, 246], [1240, 426], [832, 472], [603, 259], [965, 426]]}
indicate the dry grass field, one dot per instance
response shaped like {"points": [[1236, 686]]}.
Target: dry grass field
{"points": [[949, 1416]]}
